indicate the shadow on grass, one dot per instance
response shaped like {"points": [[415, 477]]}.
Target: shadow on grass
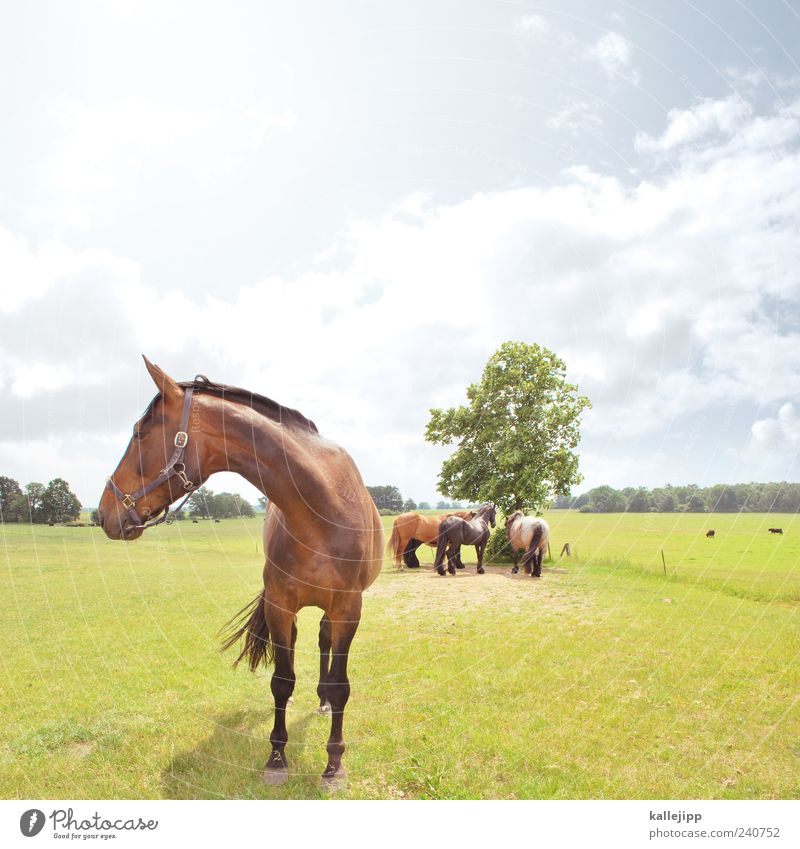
{"points": [[228, 763]]}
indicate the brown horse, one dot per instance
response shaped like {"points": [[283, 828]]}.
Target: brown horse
{"points": [[323, 538], [411, 530], [455, 532]]}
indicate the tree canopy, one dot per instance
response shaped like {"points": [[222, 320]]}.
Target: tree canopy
{"points": [[518, 433], [37, 503]]}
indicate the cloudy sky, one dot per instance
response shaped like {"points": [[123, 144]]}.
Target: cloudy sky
{"points": [[349, 206]]}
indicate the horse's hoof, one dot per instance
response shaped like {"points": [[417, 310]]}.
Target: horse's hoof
{"points": [[481, 570], [460, 566], [451, 570], [276, 775], [441, 571], [289, 702], [514, 571], [324, 709], [334, 782]]}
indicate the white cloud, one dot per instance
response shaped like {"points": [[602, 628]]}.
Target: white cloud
{"points": [[576, 117], [531, 24], [661, 298], [705, 120], [779, 433], [615, 54]]}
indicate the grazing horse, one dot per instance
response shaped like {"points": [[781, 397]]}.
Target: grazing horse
{"points": [[455, 532], [532, 534], [776, 530], [323, 539], [710, 534], [411, 530]]}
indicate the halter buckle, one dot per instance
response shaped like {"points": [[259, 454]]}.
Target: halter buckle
{"points": [[181, 439], [128, 503]]}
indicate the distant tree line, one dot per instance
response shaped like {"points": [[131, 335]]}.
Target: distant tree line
{"points": [[389, 501], [206, 504], [720, 498], [36, 503]]}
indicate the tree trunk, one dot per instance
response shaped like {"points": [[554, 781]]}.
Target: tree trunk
{"points": [[517, 503]]}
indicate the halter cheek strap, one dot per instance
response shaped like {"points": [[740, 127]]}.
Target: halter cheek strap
{"points": [[175, 466]]}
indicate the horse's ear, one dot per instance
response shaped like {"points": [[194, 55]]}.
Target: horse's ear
{"points": [[164, 383]]}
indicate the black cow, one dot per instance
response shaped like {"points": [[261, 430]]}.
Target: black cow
{"points": [[710, 534], [776, 530]]}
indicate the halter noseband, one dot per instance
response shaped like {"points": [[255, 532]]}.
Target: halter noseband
{"points": [[175, 466]]}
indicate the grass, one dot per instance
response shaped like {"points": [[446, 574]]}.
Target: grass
{"points": [[606, 679]]}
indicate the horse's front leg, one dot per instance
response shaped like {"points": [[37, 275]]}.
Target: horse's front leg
{"points": [[479, 549], [515, 555], [281, 625], [324, 661], [344, 623]]}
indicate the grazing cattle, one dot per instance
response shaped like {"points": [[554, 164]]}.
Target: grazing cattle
{"points": [[776, 530], [195, 522], [710, 534]]}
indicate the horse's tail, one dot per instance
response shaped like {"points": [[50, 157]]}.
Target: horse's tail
{"points": [[250, 623], [538, 538], [394, 546]]}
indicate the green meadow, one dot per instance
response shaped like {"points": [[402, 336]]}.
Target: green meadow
{"points": [[619, 674]]}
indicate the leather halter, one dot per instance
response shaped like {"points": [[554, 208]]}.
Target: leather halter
{"points": [[175, 466]]}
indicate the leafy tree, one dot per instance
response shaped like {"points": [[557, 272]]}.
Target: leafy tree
{"points": [[423, 505], [227, 506], [386, 497], [409, 504], [666, 503], [639, 501], [59, 503], [518, 434], [442, 505], [95, 517], [33, 494], [262, 503], [695, 504], [200, 503], [606, 499], [9, 494]]}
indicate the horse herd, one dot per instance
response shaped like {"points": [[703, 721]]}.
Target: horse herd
{"points": [[449, 532]]}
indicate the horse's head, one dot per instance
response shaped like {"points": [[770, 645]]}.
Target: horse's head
{"points": [[488, 512], [158, 466]]}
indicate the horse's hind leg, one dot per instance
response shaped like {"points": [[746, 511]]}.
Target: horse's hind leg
{"points": [[324, 661], [538, 556], [453, 556], [280, 622], [344, 623], [410, 554]]}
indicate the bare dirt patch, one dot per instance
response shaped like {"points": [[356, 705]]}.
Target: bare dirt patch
{"points": [[424, 589]]}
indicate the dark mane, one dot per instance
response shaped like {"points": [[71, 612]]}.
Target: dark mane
{"points": [[271, 409]]}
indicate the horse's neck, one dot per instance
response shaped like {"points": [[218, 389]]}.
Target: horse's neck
{"points": [[290, 468]]}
